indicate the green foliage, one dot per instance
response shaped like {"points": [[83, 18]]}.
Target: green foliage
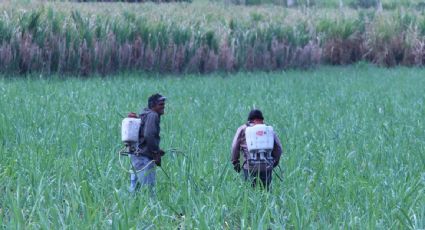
{"points": [[256, 17], [32, 25], [101, 38], [132, 1], [307, 3], [55, 19], [384, 29], [301, 34], [405, 19], [421, 26], [327, 3], [342, 28], [31, 21], [83, 26], [211, 41], [101, 27], [363, 3], [347, 162], [180, 36], [395, 4], [335, 4], [5, 31], [258, 2]]}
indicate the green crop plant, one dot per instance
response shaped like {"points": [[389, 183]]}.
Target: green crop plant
{"points": [[65, 37], [352, 140], [342, 29]]}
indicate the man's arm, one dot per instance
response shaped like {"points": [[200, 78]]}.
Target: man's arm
{"points": [[151, 132], [236, 147], [277, 150]]}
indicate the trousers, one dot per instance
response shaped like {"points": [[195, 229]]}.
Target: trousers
{"points": [[264, 176], [145, 175]]}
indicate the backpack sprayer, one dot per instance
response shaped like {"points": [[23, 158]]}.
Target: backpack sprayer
{"points": [[130, 127], [130, 134], [260, 141]]}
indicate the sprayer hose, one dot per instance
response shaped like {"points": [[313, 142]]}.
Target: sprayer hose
{"points": [[131, 170]]}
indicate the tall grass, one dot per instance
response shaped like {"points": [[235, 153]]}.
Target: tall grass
{"points": [[105, 38], [332, 4], [352, 137]]}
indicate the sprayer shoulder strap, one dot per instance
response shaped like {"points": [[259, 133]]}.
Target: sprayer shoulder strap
{"points": [[142, 125]]}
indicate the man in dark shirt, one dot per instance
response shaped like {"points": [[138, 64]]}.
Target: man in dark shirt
{"points": [[148, 153]]}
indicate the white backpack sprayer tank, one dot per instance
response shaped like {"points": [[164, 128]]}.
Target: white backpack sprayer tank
{"points": [[260, 142], [130, 127], [130, 133]]}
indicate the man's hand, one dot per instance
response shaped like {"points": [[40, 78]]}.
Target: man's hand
{"points": [[237, 167], [157, 156], [161, 152], [275, 163], [157, 160]]}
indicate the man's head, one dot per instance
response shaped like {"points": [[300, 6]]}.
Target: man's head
{"points": [[255, 115], [156, 103]]}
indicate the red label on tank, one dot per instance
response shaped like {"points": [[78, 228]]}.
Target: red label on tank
{"points": [[260, 133]]}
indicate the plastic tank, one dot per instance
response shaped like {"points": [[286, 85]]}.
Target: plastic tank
{"points": [[259, 137], [130, 129]]}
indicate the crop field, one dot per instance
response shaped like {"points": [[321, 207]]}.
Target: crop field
{"points": [[204, 37], [353, 141]]}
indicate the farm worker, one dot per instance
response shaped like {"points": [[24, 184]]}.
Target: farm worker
{"points": [[257, 164], [148, 153]]}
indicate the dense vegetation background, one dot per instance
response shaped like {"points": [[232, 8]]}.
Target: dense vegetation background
{"points": [[205, 36]]}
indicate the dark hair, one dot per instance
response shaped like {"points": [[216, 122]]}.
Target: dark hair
{"points": [[154, 99], [255, 114]]}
